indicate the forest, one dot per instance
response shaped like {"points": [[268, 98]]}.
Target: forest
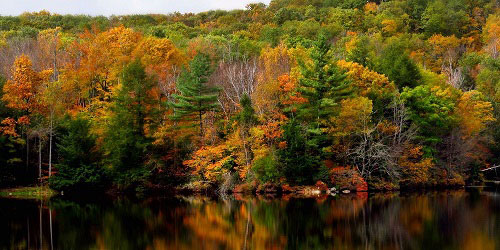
{"points": [[377, 95]]}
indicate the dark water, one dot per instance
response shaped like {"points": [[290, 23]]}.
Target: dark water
{"points": [[434, 220]]}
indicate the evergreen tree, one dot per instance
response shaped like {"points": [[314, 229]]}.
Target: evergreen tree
{"points": [[299, 160], [246, 120], [196, 97], [247, 117], [78, 169], [323, 84], [398, 67], [127, 144], [432, 114]]}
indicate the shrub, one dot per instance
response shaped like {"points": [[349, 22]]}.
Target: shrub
{"points": [[266, 169]]}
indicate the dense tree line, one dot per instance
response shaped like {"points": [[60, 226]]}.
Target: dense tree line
{"points": [[392, 94]]}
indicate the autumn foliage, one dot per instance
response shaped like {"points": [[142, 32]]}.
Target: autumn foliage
{"points": [[401, 94]]}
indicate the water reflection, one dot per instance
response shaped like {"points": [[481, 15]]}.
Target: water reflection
{"points": [[435, 220]]}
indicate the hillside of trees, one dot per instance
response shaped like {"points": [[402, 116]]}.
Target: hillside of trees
{"points": [[389, 95]]}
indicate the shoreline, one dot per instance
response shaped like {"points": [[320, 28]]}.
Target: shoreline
{"points": [[28, 192], [45, 193]]}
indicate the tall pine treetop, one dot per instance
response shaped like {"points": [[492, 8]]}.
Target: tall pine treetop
{"points": [[323, 84], [196, 96]]}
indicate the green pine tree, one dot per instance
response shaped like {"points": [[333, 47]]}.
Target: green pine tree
{"points": [[246, 120], [196, 97], [323, 84], [78, 169], [247, 117], [126, 143], [398, 67], [300, 162]]}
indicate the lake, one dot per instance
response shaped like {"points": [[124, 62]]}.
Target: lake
{"points": [[459, 219]]}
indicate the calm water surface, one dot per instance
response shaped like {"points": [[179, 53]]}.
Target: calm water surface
{"points": [[435, 220]]}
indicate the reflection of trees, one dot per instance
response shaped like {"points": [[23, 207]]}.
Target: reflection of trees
{"points": [[444, 220], [229, 225], [25, 224], [118, 225], [390, 221], [76, 223], [437, 220], [300, 222]]}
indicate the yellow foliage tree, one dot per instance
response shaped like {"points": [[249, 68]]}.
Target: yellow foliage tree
{"points": [[389, 26], [162, 59], [443, 51], [273, 62], [491, 35], [354, 117], [101, 57], [474, 113], [368, 82], [370, 7]]}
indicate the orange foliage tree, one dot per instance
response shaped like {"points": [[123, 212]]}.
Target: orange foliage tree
{"points": [[211, 162], [23, 92], [414, 167], [98, 58]]}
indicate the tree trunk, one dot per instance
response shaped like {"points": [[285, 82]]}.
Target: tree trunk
{"points": [[50, 221], [247, 228], [27, 151], [201, 126], [174, 139], [247, 160], [56, 76], [245, 146], [50, 143]]}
